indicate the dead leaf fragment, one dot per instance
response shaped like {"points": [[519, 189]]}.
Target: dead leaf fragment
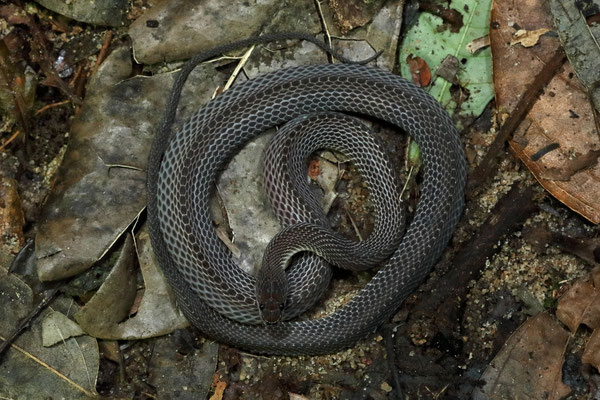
{"points": [[581, 303], [294, 396], [421, 74], [452, 18], [449, 69], [528, 38], [478, 44], [220, 387], [529, 366]]}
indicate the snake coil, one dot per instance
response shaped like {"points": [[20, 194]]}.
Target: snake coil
{"points": [[216, 296]]}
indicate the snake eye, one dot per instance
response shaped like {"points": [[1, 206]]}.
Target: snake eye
{"points": [[281, 306], [261, 306]]}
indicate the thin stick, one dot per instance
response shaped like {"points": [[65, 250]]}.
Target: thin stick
{"points": [[325, 28], [239, 67], [526, 102], [10, 139], [48, 106], [103, 51]]}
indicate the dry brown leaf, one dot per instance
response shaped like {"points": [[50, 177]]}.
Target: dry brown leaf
{"points": [[449, 69], [581, 303], [515, 67], [562, 115], [529, 366], [591, 353]]}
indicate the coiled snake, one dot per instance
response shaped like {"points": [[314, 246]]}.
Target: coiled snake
{"points": [[219, 298]]}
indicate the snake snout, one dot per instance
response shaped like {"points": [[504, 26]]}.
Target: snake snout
{"points": [[271, 312], [271, 301]]}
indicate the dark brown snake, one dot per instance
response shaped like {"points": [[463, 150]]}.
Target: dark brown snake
{"points": [[215, 295]]}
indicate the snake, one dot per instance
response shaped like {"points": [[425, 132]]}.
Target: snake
{"points": [[217, 297]]}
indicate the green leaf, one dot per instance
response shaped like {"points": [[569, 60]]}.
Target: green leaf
{"points": [[427, 40]]}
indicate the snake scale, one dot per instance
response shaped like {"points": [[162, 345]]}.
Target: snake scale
{"points": [[183, 166]]}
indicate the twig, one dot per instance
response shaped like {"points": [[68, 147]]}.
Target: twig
{"points": [[360, 239], [10, 139], [526, 102], [48, 106], [325, 28], [238, 68], [444, 304], [103, 51], [406, 182]]}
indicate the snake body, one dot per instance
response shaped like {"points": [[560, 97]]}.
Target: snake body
{"points": [[282, 294], [182, 169]]}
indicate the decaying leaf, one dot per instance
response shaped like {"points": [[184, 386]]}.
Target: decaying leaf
{"points": [[29, 370], [581, 303], [529, 366], [106, 314], [449, 69], [563, 115], [101, 183], [220, 387]]}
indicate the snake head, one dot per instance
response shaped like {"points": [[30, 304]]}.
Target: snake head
{"points": [[271, 294]]}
